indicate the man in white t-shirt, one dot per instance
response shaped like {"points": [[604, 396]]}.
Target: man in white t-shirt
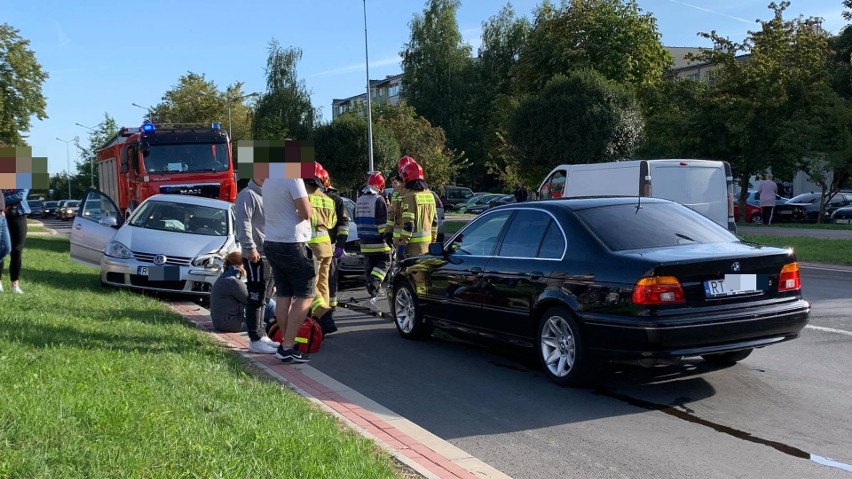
{"points": [[287, 212]]}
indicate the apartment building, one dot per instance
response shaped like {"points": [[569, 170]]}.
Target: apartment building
{"points": [[381, 91]]}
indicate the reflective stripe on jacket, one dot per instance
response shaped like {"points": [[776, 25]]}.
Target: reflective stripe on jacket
{"points": [[371, 217], [418, 218], [324, 217]]}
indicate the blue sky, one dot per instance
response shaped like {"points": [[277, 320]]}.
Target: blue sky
{"points": [[102, 56]]}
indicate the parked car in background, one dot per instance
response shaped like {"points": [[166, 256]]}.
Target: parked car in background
{"points": [[477, 204], [754, 213], [36, 208], [48, 208], [503, 200], [809, 203], [59, 206], [842, 216], [171, 243], [455, 195], [68, 210], [580, 280]]}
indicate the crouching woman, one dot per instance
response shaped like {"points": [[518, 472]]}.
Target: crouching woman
{"points": [[229, 297]]}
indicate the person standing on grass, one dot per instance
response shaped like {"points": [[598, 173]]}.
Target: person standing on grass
{"points": [[5, 240], [767, 190], [250, 221], [16, 210], [287, 225]]}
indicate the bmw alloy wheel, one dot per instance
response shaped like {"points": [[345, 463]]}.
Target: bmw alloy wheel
{"points": [[558, 346]]}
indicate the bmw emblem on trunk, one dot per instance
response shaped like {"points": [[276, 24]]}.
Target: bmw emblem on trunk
{"points": [[161, 259], [735, 266]]}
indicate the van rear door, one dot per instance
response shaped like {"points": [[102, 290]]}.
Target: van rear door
{"points": [[697, 184]]}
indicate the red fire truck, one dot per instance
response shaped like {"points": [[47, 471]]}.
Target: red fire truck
{"points": [[140, 162]]}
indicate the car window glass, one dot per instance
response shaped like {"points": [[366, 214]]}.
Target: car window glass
{"points": [[553, 244], [554, 185], [181, 217], [480, 237], [653, 225], [524, 234]]}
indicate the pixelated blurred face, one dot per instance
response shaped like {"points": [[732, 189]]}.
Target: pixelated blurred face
{"points": [[275, 159], [19, 170]]}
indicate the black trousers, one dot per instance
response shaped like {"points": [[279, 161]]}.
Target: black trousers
{"points": [[766, 213], [259, 284], [18, 234], [376, 268]]}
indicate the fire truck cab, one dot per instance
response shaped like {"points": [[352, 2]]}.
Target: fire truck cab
{"points": [[137, 163]]}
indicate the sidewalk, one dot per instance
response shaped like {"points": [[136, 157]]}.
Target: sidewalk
{"points": [[422, 451]]}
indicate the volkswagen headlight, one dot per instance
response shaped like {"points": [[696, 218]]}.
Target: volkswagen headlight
{"points": [[213, 261], [117, 250]]}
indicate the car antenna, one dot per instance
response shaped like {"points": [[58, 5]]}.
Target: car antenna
{"points": [[638, 203]]}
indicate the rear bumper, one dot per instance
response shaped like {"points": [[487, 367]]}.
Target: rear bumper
{"points": [[622, 338]]}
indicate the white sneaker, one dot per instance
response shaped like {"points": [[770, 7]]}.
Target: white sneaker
{"points": [[261, 348], [17, 289], [269, 341]]}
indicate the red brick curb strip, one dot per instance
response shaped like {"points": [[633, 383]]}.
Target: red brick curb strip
{"points": [[427, 454]]}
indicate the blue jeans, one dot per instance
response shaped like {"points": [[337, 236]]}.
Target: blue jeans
{"points": [[5, 239]]}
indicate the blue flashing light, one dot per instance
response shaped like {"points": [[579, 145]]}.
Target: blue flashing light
{"points": [[147, 127], [216, 126]]}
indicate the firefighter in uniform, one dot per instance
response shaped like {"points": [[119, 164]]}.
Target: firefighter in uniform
{"points": [[323, 220], [419, 221], [339, 234], [371, 217], [394, 225]]}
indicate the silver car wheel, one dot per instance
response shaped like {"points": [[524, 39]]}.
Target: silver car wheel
{"points": [[558, 346], [404, 309]]}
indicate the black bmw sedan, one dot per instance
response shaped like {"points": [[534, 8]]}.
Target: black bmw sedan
{"points": [[584, 280]]}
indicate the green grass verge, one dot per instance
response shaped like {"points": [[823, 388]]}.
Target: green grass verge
{"points": [[810, 249], [99, 382], [35, 229]]}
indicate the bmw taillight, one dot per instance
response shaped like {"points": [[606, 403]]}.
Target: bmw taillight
{"points": [[789, 279], [657, 290]]}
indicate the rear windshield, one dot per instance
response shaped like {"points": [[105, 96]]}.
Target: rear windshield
{"points": [[653, 225]]}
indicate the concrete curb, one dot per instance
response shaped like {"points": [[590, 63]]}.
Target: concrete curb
{"points": [[422, 451]]}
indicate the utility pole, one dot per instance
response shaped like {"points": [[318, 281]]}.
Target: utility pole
{"points": [[68, 159], [92, 160], [369, 102]]}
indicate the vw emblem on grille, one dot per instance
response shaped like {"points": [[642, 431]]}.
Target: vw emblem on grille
{"points": [[734, 267], [161, 259]]}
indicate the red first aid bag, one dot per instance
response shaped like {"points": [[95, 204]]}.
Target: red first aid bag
{"points": [[308, 338]]}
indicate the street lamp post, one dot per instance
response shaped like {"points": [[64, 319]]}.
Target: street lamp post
{"points": [[92, 161], [68, 159], [228, 101], [369, 103], [146, 108]]}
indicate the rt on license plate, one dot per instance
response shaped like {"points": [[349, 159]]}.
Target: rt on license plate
{"points": [[730, 285]]}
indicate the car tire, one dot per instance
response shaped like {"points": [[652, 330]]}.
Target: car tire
{"points": [[562, 350], [407, 313], [756, 219], [727, 359]]}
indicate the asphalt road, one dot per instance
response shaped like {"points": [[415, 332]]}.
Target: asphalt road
{"points": [[774, 415]]}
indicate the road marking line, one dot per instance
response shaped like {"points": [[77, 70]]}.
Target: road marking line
{"points": [[830, 330]]}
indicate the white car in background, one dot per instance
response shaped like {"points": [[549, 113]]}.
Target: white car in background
{"points": [[171, 243]]}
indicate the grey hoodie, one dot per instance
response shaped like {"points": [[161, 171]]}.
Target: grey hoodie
{"points": [[250, 219]]}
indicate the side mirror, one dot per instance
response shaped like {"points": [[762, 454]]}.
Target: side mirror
{"points": [[436, 249], [108, 221], [124, 168]]}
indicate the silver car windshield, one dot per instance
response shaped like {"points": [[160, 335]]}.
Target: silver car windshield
{"points": [[181, 217]]}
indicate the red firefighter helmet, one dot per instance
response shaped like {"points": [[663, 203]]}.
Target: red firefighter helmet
{"points": [[318, 171], [403, 162], [412, 172], [324, 178], [377, 181]]}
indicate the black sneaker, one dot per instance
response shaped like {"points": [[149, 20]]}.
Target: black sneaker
{"points": [[291, 355]]}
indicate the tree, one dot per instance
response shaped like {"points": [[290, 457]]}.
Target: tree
{"points": [[611, 36], [284, 110], [341, 147], [747, 115], [579, 118], [503, 37], [419, 139], [436, 63], [671, 111], [21, 79], [88, 155], [194, 100]]}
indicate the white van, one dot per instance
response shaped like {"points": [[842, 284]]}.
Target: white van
{"points": [[703, 185]]}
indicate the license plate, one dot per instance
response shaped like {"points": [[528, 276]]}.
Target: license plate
{"points": [[785, 212], [842, 222], [142, 271], [731, 285]]}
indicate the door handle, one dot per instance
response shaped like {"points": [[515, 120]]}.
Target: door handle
{"points": [[78, 227], [536, 275], [475, 270]]}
